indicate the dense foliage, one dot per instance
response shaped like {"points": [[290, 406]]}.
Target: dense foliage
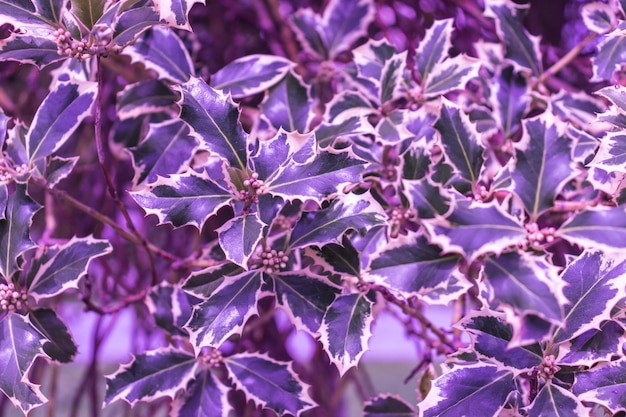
{"points": [[356, 156]]}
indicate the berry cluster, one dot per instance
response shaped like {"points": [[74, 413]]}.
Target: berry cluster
{"points": [[273, 261], [7, 175], [400, 219], [537, 237], [482, 194], [67, 45], [548, 368], [10, 298], [212, 359], [254, 186]]}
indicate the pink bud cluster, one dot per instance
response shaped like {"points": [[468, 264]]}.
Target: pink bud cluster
{"points": [[273, 261], [548, 368], [482, 194], [538, 237], [399, 219], [212, 359], [67, 45], [254, 187], [10, 298]]}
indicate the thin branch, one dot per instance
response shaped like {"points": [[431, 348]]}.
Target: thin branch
{"points": [[567, 58]]}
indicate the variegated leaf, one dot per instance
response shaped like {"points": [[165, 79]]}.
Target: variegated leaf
{"points": [[616, 94], [60, 268], [579, 109], [461, 142], [58, 169], [599, 17], [433, 49], [269, 383], [29, 13], [251, 74], [151, 375], [553, 400], [379, 69], [543, 165], [145, 97], [287, 105], [59, 344], [327, 134], [308, 28], [162, 51], [57, 118], [182, 199], [426, 198], [511, 99], [458, 392], [388, 406], [595, 283], [88, 11], [521, 48], [412, 266], [215, 118], [15, 230], [491, 337], [358, 212], [280, 151], [599, 228], [201, 284], [604, 385], [175, 12], [131, 22], [170, 307], [593, 346], [20, 345], [167, 149], [529, 285], [240, 236], [451, 74], [349, 104], [473, 230], [305, 296], [35, 50], [346, 329], [205, 396], [226, 310], [344, 22], [611, 155], [611, 54]]}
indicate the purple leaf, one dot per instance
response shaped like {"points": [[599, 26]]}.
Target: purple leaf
{"points": [[543, 166], [553, 400], [460, 141], [162, 51], [61, 267], [175, 12], [269, 383], [170, 307], [593, 346], [226, 310], [132, 22], [451, 74], [59, 344], [251, 74], [27, 13], [20, 345], [344, 22], [387, 406], [308, 27], [611, 155], [215, 118], [433, 49], [595, 283], [151, 375], [611, 54], [348, 104], [473, 230], [240, 236], [468, 391], [203, 397], [15, 230], [412, 266], [145, 97], [58, 117], [305, 296], [182, 199], [282, 150], [426, 198], [287, 105], [167, 149], [615, 94], [58, 169], [379, 70], [525, 283], [577, 108], [511, 98], [598, 17], [598, 228], [38, 51], [605, 385], [326, 134], [346, 330], [358, 212]]}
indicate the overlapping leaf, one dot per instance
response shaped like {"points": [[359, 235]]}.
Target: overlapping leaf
{"points": [[427, 199], [553, 400], [599, 228], [240, 236], [344, 23], [130, 23], [20, 345], [226, 310], [35, 50], [388, 406], [287, 105], [28, 13], [59, 344], [451, 74], [88, 11], [175, 12], [58, 169], [269, 383], [604, 384], [433, 49], [203, 397], [251, 74], [511, 99], [145, 97], [595, 283], [611, 155], [593, 346], [170, 307], [611, 54], [151, 375], [346, 329]]}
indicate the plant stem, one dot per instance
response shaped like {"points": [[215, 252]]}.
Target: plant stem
{"points": [[567, 58]]}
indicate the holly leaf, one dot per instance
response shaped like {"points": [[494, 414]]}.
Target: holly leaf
{"points": [[226, 310], [553, 400], [60, 114], [593, 346], [600, 228], [474, 229], [305, 296], [189, 198], [15, 230], [170, 307], [59, 344], [319, 227], [269, 383], [131, 22], [611, 155], [251, 74], [388, 406], [451, 74], [240, 236], [543, 164], [411, 265], [308, 28], [598, 17], [144, 98], [88, 11], [214, 117], [20, 345], [457, 392], [205, 396], [160, 50], [167, 149], [511, 99], [58, 169], [605, 385], [27, 13], [527, 284], [287, 105], [346, 329], [426, 198], [594, 285], [433, 49], [201, 284], [344, 23], [34, 50], [611, 54], [460, 141], [151, 375], [175, 12]]}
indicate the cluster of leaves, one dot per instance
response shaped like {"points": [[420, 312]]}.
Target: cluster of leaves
{"points": [[361, 177]]}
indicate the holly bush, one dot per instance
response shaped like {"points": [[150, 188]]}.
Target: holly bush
{"points": [[235, 172]]}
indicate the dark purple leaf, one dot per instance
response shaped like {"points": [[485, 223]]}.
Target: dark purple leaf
{"points": [[27, 13], [611, 155], [511, 98], [145, 97], [348, 104], [451, 74], [596, 228], [426, 198], [598, 17], [132, 22], [287, 105], [282, 150], [59, 344], [595, 345], [240, 236], [326, 134], [555, 401], [611, 54], [203, 397], [175, 12], [604, 385], [88, 11], [58, 169], [388, 406], [170, 308], [38, 51], [344, 22], [204, 282], [433, 49], [308, 27]]}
